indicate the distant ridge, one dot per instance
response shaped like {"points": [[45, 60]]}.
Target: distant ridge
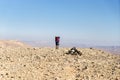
{"points": [[12, 43]]}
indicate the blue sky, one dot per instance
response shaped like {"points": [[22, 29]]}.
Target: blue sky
{"points": [[84, 21]]}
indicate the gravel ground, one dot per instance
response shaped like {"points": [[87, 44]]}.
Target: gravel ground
{"points": [[18, 63]]}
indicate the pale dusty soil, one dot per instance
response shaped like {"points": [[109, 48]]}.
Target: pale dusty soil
{"points": [[18, 63]]}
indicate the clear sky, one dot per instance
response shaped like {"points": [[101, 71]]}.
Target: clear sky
{"points": [[84, 21]]}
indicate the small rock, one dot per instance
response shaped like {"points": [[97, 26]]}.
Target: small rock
{"points": [[84, 68], [78, 75], [12, 77], [101, 75], [116, 79], [34, 48], [19, 77], [24, 65], [6, 73], [91, 48]]}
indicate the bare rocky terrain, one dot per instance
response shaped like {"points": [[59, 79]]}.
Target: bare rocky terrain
{"points": [[27, 63]]}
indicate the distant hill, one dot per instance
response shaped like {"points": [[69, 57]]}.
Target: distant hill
{"points": [[111, 49], [12, 43]]}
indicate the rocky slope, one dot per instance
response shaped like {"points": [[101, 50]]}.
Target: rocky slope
{"points": [[18, 63]]}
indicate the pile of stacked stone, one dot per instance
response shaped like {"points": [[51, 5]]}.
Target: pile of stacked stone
{"points": [[74, 51]]}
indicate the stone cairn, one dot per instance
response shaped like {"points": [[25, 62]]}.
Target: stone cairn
{"points": [[74, 51]]}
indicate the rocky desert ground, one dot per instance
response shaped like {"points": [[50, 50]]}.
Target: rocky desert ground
{"points": [[22, 62]]}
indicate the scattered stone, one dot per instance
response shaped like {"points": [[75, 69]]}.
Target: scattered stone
{"points": [[78, 75], [1, 74], [6, 73], [101, 75], [11, 61], [34, 48], [86, 78], [91, 48], [78, 69], [12, 77], [84, 68], [116, 78], [24, 65], [56, 79], [103, 52], [19, 77], [49, 64], [37, 57]]}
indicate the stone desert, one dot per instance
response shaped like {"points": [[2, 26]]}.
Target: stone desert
{"points": [[22, 62]]}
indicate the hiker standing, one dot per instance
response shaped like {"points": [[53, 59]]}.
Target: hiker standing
{"points": [[57, 40]]}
